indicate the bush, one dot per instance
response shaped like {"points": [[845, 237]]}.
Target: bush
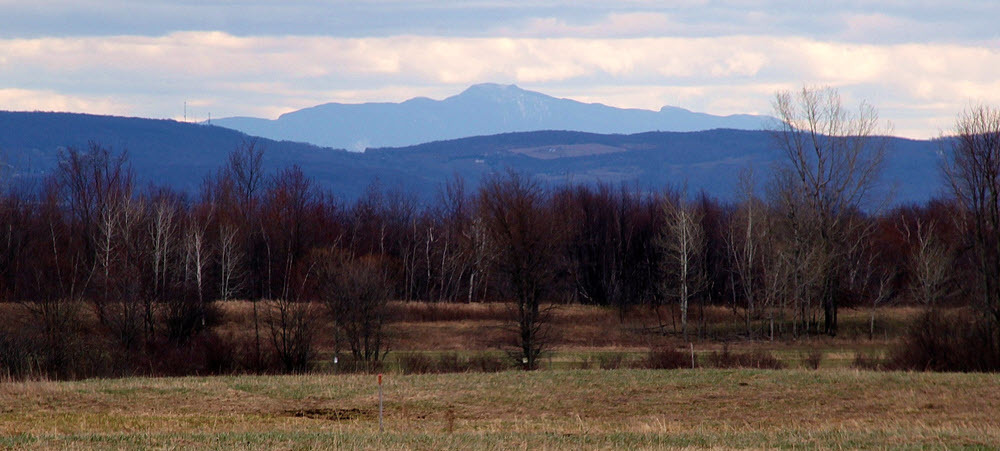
{"points": [[588, 362], [957, 341], [489, 363], [419, 363], [416, 363], [611, 361], [813, 359], [754, 359], [16, 357], [867, 362], [452, 363], [204, 353], [666, 358], [346, 363]]}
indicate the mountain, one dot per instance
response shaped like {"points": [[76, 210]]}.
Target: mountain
{"points": [[484, 109], [708, 161], [181, 154], [167, 152]]}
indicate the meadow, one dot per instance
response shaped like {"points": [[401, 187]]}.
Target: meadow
{"points": [[570, 403], [557, 409]]}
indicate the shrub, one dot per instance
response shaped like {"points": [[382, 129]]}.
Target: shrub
{"points": [[754, 359], [813, 359], [666, 358], [868, 362], [16, 357], [586, 363], [436, 312], [611, 361], [419, 363], [957, 341], [452, 363], [346, 363], [416, 363], [489, 363]]}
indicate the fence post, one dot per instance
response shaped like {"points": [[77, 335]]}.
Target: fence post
{"points": [[380, 403]]}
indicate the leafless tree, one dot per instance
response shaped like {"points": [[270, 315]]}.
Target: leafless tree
{"points": [[162, 235], [121, 253], [525, 239], [245, 170], [291, 323], [53, 282], [972, 168], [835, 157], [931, 266], [230, 255], [683, 245], [747, 235], [356, 293]]}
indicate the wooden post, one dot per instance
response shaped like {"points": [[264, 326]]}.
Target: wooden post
{"points": [[380, 429], [692, 355]]}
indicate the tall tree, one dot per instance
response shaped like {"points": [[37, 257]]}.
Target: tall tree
{"points": [[834, 157], [526, 240], [683, 245], [972, 168]]}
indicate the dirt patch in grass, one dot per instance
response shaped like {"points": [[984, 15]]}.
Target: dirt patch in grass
{"points": [[331, 414]]}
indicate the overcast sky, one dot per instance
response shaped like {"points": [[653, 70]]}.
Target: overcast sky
{"points": [[919, 62]]}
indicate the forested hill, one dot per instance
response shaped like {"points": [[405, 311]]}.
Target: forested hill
{"points": [[705, 160], [168, 152], [181, 154]]}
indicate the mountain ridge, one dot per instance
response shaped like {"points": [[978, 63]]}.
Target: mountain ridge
{"points": [[181, 155], [481, 109]]}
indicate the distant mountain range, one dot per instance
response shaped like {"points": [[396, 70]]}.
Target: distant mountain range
{"points": [[181, 154], [483, 109]]}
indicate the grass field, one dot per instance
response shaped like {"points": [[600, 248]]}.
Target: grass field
{"points": [[573, 409]]}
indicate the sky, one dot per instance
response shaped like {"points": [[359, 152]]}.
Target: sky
{"points": [[919, 62]]}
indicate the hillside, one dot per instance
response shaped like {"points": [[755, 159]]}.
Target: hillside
{"points": [[182, 154], [168, 152]]}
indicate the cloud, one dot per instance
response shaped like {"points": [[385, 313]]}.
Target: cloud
{"points": [[41, 100], [267, 75]]}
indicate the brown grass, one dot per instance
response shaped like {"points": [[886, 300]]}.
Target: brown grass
{"points": [[550, 409], [575, 331]]}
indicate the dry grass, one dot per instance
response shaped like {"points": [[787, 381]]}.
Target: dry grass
{"points": [[577, 332], [631, 409]]}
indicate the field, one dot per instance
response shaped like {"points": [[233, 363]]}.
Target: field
{"points": [[569, 404], [571, 409]]}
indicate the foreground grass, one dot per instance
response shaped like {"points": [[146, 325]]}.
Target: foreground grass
{"points": [[546, 409]]}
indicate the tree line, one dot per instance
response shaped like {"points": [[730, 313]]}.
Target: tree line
{"points": [[150, 264]]}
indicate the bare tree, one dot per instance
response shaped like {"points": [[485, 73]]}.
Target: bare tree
{"points": [[683, 244], [230, 255], [972, 168], [930, 264], [526, 240], [162, 234], [245, 171], [356, 293], [52, 284], [291, 325], [187, 309], [746, 236], [835, 157], [121, 251]]}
